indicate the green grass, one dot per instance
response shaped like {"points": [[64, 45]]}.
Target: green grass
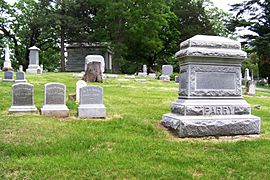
{"points": [[129, 144]]}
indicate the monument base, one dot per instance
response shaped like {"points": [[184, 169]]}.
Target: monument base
{"points": [[55, 110], [164, 78], [21, 81], [141, 74], [92, 111], [34, 69], [8, 80], [22, 109], [200, 126]]}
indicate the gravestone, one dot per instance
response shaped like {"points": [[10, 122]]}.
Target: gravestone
{"points": [[79, 85], [129, 77], [145, 68], [55, 100], [91, 103], [20, 77], [7, 63], [8, 76], [111, 76], [167, 71], [251, 88], [247, 75], [21, 68], [152, 75], [33, 67], [95, 58], [140, 80], [210, 101], [22, 98]]}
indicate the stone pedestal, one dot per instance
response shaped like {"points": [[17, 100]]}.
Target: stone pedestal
{"points": [[210, 99], [34, 67]]}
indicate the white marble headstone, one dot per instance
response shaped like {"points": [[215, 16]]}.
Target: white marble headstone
{"points": [[95, 58]]}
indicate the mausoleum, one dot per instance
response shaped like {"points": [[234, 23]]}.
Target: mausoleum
{"points": [[77, 52]]}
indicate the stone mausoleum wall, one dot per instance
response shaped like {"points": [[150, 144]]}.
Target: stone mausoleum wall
{"points": [[76, 54]]}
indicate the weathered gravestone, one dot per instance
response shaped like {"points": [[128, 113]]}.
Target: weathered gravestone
{"points": [[210, 99], [55, 100], [33, 67], [251, 88], [91, 103], [167, 71], [22, 98], [144, 73], [8, 76], [20, 77], [79, 85], [21, 68], [152, 75]]}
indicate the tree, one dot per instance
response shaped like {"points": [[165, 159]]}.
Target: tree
{"points": [[255, 15]]}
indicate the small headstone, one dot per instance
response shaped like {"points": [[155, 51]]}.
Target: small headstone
{"points": [[22, 98], [141, 74], [20, 77], [8, 76], [79, 85], [140, 80], [95, 58], [33, 60], [77, 75], [91, 104], [123, 80], [129, 77], [111, 76], [55, 100], [164, 78], [152, 75], [21, 68], [251, 88], [247, 76], [167, 70]]}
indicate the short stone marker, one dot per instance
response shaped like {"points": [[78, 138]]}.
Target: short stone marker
{"points": [[167, 70], [251, 88], [111, 76], [20, 77], [22, 98], [129, 77], [152, 75], [8, 76], [91, 104], [55, 100], [21, 68], [210, 101], [140, 80], [79, 85]]}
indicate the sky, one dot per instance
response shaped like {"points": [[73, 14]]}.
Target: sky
{"points": [[224, 4]]}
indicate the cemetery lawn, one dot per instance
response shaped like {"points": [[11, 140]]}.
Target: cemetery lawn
{"points": [[129, 144]]}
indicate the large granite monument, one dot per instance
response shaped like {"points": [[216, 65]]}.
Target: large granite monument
{"points": [[33, 67], [22, 98], [91, 102], [210, 99], [55, 100]]}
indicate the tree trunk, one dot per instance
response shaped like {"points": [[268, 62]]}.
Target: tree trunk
{"points": [[63, 63], [93, 73]]}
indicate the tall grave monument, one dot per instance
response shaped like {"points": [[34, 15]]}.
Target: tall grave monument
{"points": [[210, 99], [33, 67], [55, 100], [22, 98], [7, 63]]}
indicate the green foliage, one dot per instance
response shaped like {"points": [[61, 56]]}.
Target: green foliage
{"points": [[254, 15]]}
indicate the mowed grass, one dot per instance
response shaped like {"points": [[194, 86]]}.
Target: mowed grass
{"points": [[129, 144]]}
